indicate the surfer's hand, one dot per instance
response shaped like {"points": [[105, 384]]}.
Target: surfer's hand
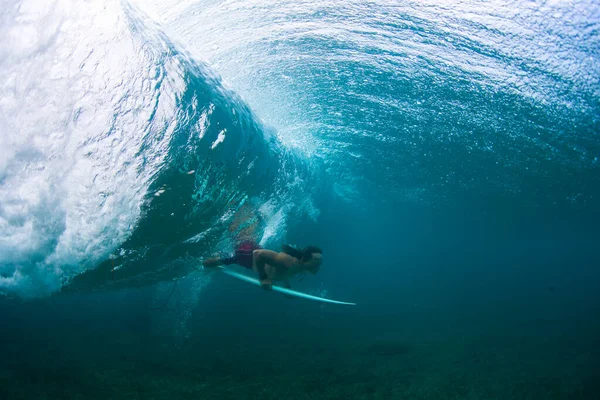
{"points": [[266, 284]]}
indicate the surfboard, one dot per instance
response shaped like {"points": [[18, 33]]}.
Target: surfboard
{"points": [[283, 290]]}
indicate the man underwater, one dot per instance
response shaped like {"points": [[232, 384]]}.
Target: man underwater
{"points": [[270, 265]]}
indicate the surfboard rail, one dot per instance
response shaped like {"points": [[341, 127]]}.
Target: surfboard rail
{"points": [[283, 290]]}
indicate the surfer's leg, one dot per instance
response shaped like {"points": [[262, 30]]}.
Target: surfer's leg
{"points": [[215, 262], [246, 223], [212, 262], [241, 217], [249, 232]]}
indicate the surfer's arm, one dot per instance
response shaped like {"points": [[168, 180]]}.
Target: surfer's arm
{"points": [[262, 257], [259, 259]]}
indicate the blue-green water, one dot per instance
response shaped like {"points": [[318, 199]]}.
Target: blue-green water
{"points": [[443, 155]]}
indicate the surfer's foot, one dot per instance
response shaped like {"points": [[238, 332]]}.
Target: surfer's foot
{"points": [[211, 262]]}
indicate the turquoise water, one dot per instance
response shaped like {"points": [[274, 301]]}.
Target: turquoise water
{"points": [[443, 155]]}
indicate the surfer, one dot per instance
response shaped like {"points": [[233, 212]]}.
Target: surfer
{"points": [[271, 265]]}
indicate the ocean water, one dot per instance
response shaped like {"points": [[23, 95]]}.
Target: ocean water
{"points": [[444, 155]]}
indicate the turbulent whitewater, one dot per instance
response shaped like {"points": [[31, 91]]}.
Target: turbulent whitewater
{"points": [[116, 143], [124, 156]]}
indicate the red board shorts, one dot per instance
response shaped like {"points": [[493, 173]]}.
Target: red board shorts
{"points": [[243, 254]]}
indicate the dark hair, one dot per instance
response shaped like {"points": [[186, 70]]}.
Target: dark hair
{"points": [[305, 254]]}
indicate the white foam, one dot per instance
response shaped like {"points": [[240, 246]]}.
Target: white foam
{"points": [[220, 138], [79, 100]]}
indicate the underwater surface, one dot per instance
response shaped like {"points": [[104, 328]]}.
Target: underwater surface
{"points": [[444, 155]]}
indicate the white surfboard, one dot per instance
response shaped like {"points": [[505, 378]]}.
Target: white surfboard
{"points": [[280, 289]]}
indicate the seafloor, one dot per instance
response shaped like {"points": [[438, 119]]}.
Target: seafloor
{"points": [[98, 347]]}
